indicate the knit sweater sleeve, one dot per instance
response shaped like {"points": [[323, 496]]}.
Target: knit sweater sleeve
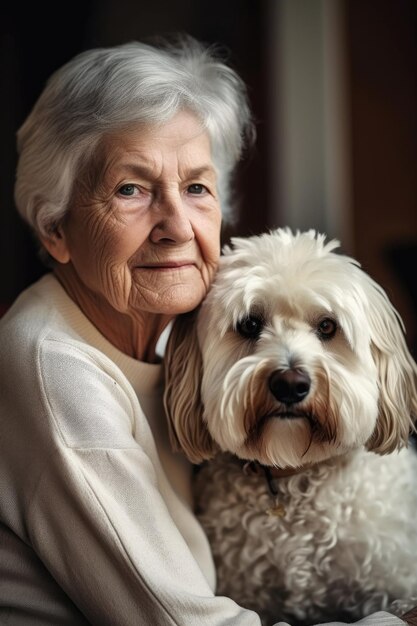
{"points": [[96, 516]]}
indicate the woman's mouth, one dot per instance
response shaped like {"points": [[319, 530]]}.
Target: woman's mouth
{"points": [[167, 266]]}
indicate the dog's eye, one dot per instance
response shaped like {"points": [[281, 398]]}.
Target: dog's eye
{"points": [[326, 328], [250, 327]]}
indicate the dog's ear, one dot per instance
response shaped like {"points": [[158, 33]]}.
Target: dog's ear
{"points": [[182, 398], [397, 373]]}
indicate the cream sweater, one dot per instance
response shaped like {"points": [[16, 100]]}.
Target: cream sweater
{"points": [[96, 522]]}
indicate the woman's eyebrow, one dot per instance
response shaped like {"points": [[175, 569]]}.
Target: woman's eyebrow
{"points": [[148, 172], [195, 172]]}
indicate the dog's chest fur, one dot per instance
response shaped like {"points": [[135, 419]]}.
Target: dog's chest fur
{"points": [[345, 545]]}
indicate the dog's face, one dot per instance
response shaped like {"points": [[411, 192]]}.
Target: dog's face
{"points": [[301, 354]]}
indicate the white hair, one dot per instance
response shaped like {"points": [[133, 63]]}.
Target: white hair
{"points": [[104, 90]]}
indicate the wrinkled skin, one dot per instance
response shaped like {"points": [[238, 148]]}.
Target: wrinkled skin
{"points": [[140, 242]]}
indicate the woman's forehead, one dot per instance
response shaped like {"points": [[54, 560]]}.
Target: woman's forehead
{"points": [[144, 150]]}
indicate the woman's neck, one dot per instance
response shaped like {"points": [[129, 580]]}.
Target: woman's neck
{"points": [[134, 334]]}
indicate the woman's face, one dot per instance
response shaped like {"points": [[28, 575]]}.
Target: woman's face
{"points": [[145, 233]]}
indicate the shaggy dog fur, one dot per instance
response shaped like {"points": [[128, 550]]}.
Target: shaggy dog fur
{"points": [[295, 379]]}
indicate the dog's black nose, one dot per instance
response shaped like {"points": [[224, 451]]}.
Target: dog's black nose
{"points": [[290, 386]]}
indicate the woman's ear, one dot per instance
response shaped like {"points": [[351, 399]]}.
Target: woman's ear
{"points": [[56, 244], [182, 399]]}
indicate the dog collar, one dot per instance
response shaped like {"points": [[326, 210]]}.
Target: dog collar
{"points": [[272, 476]]}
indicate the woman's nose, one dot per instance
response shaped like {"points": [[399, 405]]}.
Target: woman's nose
{"points": [[172, 224]]}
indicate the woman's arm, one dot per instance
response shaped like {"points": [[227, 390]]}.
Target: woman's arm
{"points": [[97, 518]]}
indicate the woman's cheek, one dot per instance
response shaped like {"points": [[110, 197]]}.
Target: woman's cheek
{"points": [[115, 284]]}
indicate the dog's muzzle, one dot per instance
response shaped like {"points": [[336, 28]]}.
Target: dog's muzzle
{"points": [[290, 386]]}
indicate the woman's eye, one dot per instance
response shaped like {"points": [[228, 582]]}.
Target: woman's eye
{"points": [[127, 190], [196, 189], [250, 327], [327, 328]]}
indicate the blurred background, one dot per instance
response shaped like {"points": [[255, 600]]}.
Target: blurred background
{"points": [[333, 86]]}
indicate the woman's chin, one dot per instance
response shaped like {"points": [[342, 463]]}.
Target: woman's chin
{"points": [[173, 300]]}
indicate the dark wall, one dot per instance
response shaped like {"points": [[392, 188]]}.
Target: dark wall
{"points": [[35, 40], [382, 46]]}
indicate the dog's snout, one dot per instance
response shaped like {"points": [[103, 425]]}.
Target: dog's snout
{"points": [[290, 386]]}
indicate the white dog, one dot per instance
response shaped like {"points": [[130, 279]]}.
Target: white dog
{"points": [[297, 363]]}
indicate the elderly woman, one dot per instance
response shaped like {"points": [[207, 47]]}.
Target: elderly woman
{"points": [[124, 172]]}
